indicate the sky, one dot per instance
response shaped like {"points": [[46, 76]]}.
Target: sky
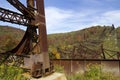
{"points": [[71, 15]]}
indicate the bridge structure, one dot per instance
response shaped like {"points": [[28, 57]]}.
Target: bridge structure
{"points": [[32, 51], [81, 57]]}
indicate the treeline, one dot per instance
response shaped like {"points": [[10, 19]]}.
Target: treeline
{"points": [[79, 44], [85, 43], [9, 37]]}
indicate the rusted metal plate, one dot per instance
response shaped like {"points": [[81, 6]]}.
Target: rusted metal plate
{"points": [[80, 66], [43, 34], [111, 66]]}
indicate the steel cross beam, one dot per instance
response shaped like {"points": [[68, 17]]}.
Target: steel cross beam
{"points": [[18, 5], [14, 17], [33, 45]]}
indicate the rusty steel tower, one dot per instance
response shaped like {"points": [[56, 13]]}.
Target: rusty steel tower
{"points": [[32, 51]]}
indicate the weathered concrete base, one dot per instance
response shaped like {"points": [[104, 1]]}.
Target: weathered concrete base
{"points": [[53, 76]]}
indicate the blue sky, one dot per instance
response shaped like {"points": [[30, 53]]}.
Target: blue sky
{"points": [[70, 15]]}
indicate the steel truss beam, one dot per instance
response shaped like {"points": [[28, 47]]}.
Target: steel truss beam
{"points": [[33, 47], [18, 5], [14, 17]]}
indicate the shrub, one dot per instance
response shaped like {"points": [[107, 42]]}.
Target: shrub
{"points": [[59, 68], [93, 73], [11, 73]]}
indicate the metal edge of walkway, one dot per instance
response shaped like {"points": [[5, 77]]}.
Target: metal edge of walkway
{"points": [[86, 59]]}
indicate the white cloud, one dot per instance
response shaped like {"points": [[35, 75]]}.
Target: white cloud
{"points": [[112, 16], [59, 20], [108, 18], [55, 18]]}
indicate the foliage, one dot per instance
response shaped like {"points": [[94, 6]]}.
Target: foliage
{"points": [[11, 73], [62, 45], [92, 37], [54, 54], [93, 73], [9, 38], [75, 77], [59, 68]]}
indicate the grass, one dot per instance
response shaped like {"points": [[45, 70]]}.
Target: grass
{"points": [[59, 68], [11, 73], [93, 73]]}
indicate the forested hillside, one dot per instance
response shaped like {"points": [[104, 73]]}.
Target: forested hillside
{"points": [[85, 43], [9, 37]]}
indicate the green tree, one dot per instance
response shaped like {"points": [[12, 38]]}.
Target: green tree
{"points": [[110, 43]]}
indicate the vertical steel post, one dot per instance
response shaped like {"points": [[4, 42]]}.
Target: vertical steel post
{"points": [[30, 6], [40, 17]]}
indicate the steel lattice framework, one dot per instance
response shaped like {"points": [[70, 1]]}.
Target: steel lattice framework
{"points": [[13, 17], [32, 51]]}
